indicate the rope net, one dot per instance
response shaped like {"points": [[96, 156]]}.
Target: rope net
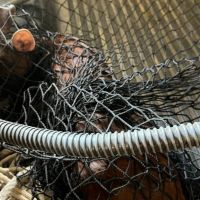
{"points": [[94, 67]]}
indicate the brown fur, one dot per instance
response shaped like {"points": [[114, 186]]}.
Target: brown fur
{"points": [[168, 189]]}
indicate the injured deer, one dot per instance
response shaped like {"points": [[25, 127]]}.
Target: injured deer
{"points": [[116, 179]]}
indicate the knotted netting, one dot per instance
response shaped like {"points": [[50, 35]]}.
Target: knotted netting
{"points": [[95, 67]]}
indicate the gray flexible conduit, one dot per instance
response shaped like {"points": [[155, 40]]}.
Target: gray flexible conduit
{"points": [[101, 144]]}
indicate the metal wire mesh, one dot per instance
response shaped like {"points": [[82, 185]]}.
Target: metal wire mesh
{"points": [[136, 66]]}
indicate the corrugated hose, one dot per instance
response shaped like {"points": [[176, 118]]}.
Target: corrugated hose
{"points": [[101, 144]]}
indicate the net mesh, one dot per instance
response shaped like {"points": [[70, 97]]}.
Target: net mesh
{"points": [[102, 66]]}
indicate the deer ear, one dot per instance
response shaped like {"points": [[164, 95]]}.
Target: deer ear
{"points": [[5, 19], [23, 41]]}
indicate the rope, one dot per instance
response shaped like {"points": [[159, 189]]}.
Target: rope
{"points": [[10, 189]]}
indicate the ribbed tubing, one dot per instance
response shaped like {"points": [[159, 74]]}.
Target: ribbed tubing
{"points": [[101, 144]]}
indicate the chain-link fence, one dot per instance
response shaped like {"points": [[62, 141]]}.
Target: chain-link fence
{"points": [[97, 67]]}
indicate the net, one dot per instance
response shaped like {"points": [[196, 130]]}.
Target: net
{"points": [[97, 67]]}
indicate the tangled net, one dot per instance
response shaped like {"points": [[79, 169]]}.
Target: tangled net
{"points": [[65, 84]]}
